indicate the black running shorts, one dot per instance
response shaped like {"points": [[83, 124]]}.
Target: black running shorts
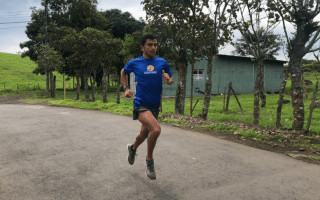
{"points": [[141, 109]]}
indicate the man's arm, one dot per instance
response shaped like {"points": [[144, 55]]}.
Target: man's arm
{"points": [[124, 79]]}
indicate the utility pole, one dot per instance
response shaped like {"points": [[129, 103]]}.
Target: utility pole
{"points": [[46, 39]]}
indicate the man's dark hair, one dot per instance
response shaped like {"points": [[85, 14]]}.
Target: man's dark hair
{"points": [[147, 36]]}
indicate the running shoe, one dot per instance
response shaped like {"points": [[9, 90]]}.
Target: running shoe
{"points": [[131, 154], [150, 172]]}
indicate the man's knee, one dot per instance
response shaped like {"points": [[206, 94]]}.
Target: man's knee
{"points": [[157, 130]]}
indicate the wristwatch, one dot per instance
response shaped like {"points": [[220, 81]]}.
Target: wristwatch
{"points": [[124, 87]]}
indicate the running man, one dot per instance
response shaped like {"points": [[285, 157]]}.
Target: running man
{"points": [[149, 71]]}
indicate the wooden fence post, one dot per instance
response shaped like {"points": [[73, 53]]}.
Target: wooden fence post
{"points": [[17, 87], [28, 87], [236, 98], [229, 94], [4, 87], [224, 98]]}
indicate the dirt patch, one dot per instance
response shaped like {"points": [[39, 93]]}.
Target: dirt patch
{"points": [[13, 99], [287, 147]]}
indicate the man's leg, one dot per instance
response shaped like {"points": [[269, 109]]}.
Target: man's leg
{"points": [[148, 121], [141, 137]]}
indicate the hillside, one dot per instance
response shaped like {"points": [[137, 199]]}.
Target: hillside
{"points": [[16, 70]]}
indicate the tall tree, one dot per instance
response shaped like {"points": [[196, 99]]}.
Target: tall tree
{"points": [[95, 50], [176, 22], [215, 32], [302, 15], [62, 14], [131, 46], [49, 60], [90, 46], [123, 23], [112, 48], [77, 14], [257, 39], [272, 45]]}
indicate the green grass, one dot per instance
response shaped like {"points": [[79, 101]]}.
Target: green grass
{"points": [[249, 134], [313, 157], [15, 70]]}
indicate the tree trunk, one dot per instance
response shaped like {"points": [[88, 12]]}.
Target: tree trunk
{"points": [[207, 95], [105, 85], [256, 110], [78, 86], [86, 87], [82, 75], [47, 81], [181, 88], [312, 106], [93, 85], [54, 86], [118, 91], [261, 87], [280, 101], [51, 84], [305, 93], [296, 95]]}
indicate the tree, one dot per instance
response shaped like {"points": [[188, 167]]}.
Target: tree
{"points": [[258, 43], [112, 47], [123, 23], [131, 46], [62, 14], [272, 45], [302, 15], [92, 49], [174, 22], [77, 14], [310, 67], [215, 32], [49, 60]]}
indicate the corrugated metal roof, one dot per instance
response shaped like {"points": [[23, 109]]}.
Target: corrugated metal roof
{"points": [[225, 55]]}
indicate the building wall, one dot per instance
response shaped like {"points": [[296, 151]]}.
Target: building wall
{"points": [[241, 71]]}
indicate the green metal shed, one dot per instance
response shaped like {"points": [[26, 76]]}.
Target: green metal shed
{"points": [[242, 71]]}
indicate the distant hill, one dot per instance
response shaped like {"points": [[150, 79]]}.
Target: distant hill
{"points": [[16, 70]]}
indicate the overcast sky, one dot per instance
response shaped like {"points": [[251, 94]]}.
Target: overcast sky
{"points": [[18, 11]]}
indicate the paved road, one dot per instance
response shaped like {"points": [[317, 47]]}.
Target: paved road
{"points": [[65, 153]]}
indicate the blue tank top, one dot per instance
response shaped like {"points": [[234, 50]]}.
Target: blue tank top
{"points": [[148, 79]]}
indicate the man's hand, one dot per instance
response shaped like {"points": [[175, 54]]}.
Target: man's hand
{"points": [[128, 93], [167, 78]]}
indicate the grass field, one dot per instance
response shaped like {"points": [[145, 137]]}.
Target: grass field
{"points": [[15, 70]]}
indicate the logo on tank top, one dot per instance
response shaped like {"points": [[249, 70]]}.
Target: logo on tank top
{"points": [[150, 70]]}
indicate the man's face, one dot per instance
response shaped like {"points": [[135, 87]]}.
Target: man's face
{"points": [[149, 49]]}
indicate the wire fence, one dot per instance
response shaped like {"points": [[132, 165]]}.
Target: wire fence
{"points": [[29, 87], [42, 86]]}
